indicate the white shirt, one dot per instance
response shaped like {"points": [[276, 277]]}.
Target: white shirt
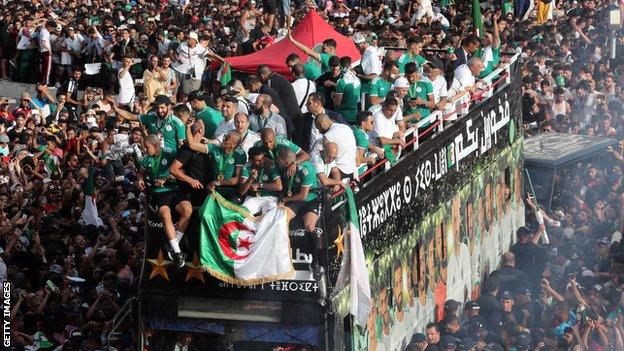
{"points": [[249, 140], [371, 63], [342, 135], [163, 47], [75, 43], [384, 127], [462, 79], [301, 86], [439, 88], [190, 58], [224, 128], [321, 166], [44, 40]]}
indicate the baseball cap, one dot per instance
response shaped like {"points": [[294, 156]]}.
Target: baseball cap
{"points": [[4, 138], [401, 82], [418, 337], [228, 90], [197, 95], [55, 268], [161, 100], [523, 341], [435, 63], [467, 344], [471, 305], [359, 38], [476, 323], [447, 341], [193, 35], [25, 96], [507, 295]]}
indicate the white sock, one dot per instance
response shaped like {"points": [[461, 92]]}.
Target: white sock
{"points": [[175, 246], [179, 235]]}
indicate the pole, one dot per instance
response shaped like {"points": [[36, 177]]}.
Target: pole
{"points": [[613, 45], [545, 235]]}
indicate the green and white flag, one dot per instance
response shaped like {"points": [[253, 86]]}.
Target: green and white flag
{"points": [[89, 215], [225, 73], [360, 302], [238, 248]]}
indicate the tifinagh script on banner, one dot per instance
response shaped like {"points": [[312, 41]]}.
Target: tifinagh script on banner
{"points": [[479, 134]]}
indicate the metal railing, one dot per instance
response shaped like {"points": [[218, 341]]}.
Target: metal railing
{"points": [[435, 122]]}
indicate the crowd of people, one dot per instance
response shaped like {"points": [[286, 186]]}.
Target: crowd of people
{"points": [[129, 116]]}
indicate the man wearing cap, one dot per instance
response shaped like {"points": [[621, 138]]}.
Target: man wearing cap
{"points": [[160, 122], [371, 63], [71, 48], [419, 340], [471, 310], [189, 63], [414, 48], [211, 117], [438, 81], [4, 145]]}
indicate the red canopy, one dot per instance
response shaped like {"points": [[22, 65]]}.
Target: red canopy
{"points": [[310, 32]]}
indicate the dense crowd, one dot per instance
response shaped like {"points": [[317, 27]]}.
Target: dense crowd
{"points": [[146, 124]]}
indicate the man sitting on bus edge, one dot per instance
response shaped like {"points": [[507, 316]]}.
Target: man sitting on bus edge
{"points": [[164, 195], [365, 149], [302, 195]]}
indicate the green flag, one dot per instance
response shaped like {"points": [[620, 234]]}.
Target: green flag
{"points": [[241, 249], [225, 73], [477, 19]]}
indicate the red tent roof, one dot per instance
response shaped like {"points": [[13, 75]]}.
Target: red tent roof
{"points": [[310, 32]]}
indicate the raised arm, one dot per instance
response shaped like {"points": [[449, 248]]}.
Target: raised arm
{"points": [[313, 54]]}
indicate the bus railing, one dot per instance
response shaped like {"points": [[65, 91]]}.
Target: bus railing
{"points": [[435, 121]]}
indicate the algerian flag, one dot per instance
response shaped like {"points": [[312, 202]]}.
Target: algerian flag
{"points": [[241, 249], [477, 19], [89, 215], [225, 73], [360, 303]]}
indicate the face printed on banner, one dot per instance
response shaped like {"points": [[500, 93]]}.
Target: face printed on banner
{"points": [[384, 310], [397, 291]]}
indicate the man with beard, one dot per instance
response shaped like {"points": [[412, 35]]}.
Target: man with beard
{"points": [[161, 122]]}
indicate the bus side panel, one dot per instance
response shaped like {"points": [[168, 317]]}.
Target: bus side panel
{"points": [[433, 226]]}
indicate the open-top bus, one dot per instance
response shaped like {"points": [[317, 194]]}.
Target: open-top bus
{"points": [[431, 225]]}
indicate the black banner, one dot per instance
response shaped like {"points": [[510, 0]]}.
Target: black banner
{"points": [[391, 204]]}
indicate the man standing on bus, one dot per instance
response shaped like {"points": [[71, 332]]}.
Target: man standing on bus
{"points": [[164, 195]]}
